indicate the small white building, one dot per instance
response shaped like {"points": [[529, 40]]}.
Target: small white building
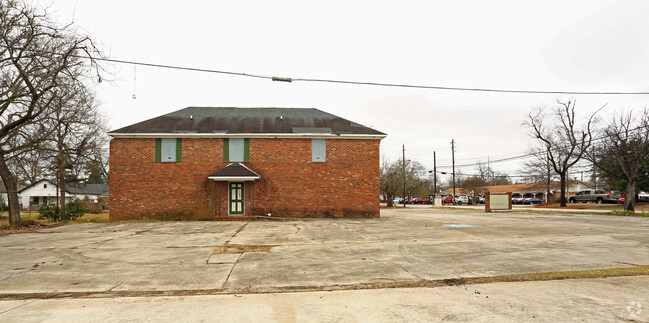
{"points": [[44, 192]]}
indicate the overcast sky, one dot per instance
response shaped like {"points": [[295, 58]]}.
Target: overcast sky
{"points": [[593, 45]]}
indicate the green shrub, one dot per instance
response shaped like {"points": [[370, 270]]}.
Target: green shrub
{"points": [[49, 212], [73, 210]]}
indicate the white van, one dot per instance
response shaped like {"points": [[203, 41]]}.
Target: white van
{"points": [[463, 200]]}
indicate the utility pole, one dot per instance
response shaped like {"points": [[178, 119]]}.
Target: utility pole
{"points": [[434, 177], [403, 168], [453, 158]]}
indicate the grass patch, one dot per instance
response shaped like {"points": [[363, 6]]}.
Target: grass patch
{"points": [[92, 217], [594, 206], [628, 213]]}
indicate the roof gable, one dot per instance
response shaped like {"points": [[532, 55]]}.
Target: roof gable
{"points": [[224, 121]]}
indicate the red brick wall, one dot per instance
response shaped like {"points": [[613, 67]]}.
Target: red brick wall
{"points": [[346, 185]]}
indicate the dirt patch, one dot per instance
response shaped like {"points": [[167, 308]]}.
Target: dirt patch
{"points": [[28, 227], [234, 248], [191, 247]]}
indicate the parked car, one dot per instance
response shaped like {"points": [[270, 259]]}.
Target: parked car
{"points": [[463, 199], [481, 200], [517, 200], [448, 199], [595, 196], [640, 197], [532, 200], [643, 197]]}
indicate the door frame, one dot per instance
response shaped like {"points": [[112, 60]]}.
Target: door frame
{"points": [[242, 200]]}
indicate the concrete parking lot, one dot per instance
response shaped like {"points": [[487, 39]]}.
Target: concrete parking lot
{"points": [[84, 262]]}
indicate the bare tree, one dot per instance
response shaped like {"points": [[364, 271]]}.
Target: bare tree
{"points": [[392, 177], [562, 141], [78, 133], [390, 183], [36, 56], [626, 139], [538, 169], [490, 176]]}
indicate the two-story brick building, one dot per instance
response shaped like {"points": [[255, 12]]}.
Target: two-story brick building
{"points": [[208, 163]]}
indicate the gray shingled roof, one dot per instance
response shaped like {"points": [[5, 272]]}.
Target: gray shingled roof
{"points": [[234, 170], [211, 120], [87, 189], [75, 188]]}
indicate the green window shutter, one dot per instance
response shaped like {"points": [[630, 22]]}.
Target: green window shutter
{"points": [[179, 149], [246, 150], [158, 150], [226, 150]]}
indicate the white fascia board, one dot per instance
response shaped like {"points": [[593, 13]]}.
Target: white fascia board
{"points": [[245, 135], [233, 178]]}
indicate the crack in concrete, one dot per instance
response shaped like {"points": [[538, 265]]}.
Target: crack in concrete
{"points": [[297, 233], [21, 305], [231, 270], [237, 232], [408, 271], [120, 283]]}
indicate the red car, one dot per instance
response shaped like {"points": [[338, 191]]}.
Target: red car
{"points": [[518, 200], [447, 199]]}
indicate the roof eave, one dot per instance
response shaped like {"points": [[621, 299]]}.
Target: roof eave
{"points": [[233, 178], [247, 135]]}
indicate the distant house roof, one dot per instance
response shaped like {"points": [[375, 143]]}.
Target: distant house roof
{"points": [[249, 122], [235, 172], [87, 189], [76, 188]]}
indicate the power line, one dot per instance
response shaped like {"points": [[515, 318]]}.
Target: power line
{"points": [[529, 154], [294, 79]]}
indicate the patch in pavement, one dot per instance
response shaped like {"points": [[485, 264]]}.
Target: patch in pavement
{"points": [[459, 225], [241, 248], [230, 254]]}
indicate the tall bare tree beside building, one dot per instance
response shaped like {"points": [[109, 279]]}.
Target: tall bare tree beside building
{"points": [[561, 138], [36, 57]]}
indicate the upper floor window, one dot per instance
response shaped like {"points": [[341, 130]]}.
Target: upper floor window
{"points": [[236, 150], [168, 150], [318, 150]]}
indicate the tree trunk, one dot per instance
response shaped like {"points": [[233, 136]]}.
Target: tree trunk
{"points": [[563, 189], [629, 199], [64, 215], [12, 191], [389, 199]]}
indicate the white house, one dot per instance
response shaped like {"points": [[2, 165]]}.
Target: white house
{"points": [[44, 192]]}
